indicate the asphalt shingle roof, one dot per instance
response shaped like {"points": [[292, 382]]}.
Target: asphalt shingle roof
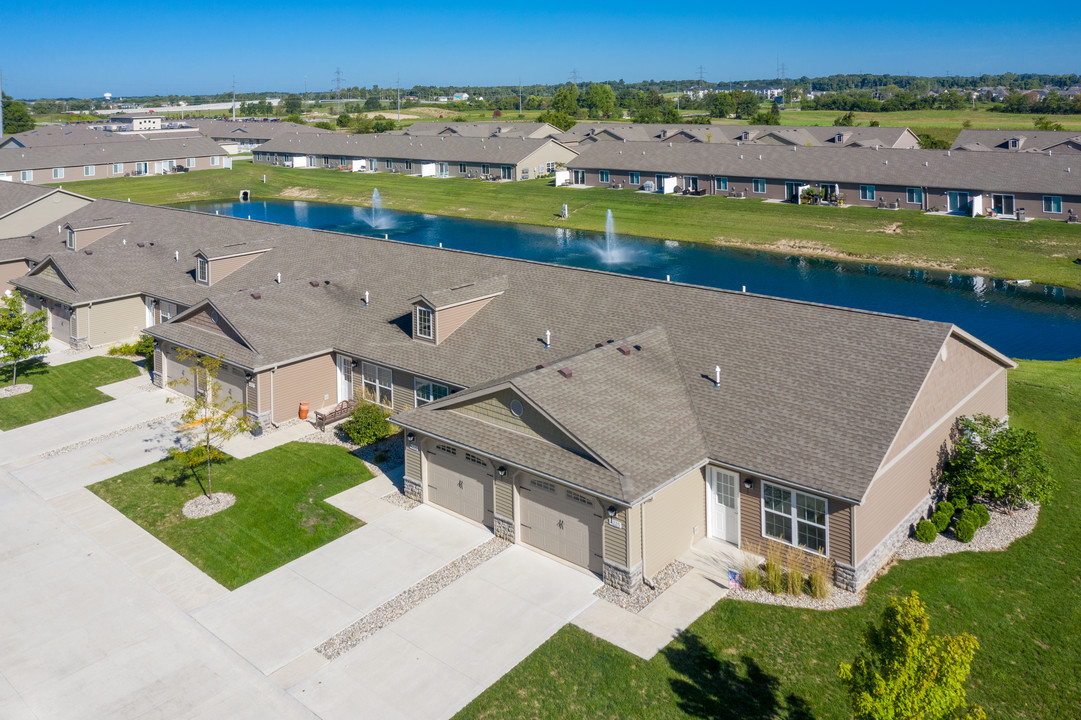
{"points": [[14, 159], [730, 134], [441, 148]]}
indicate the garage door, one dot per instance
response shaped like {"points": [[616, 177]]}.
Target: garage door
{"points": [[179, 375], [460, 481], [231, 381], [61, 321], [561, 521]]}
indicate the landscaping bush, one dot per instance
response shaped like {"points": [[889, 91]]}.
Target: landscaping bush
{"points": [[941, 520], [793, 577], [774, 579], [751, 579], [926, 531], [367, 424], [143, 347], [946, 507], [980, 514], [818, 578], [965, 530], [959, 503]]}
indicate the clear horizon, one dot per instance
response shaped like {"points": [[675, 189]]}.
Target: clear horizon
{"points": [[194, 49]]}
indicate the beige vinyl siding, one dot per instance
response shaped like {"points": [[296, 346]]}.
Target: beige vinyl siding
{"points": [[907, 483], [204, 321], [450, 319], [404, 393], [49, 272], [412, 463], [634, 535], [178, 374], [838, 525], [616, 549], [495, 409], [40, 213], [82, 322], [85, 238], [675, 518], [219, 269], [116, 320], [12, 270], [947, 384], [253, 394], [504, 497], [159, 363], [313, 381], [750, 517]]}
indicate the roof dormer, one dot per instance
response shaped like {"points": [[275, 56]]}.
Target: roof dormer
{"points": [[78, 237], [214, 264], [438, 314]]}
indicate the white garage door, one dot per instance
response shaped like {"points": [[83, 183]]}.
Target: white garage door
{"points": [[178, 373], [61, 321], [460, 481], [561, 521], [232, 383]]}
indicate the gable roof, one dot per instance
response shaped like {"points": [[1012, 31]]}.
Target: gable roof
{"points": [[1029, 141], [468, 292], [109, 152], [443, 148]]}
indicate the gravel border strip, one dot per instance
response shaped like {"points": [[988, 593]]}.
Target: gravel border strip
{"points": [[405, 601], [17, 389], [202, 506], [1001, 530], [638, 600], [836, 599], [398, 500], [110, 435]]}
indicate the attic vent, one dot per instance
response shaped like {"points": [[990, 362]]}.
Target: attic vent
{"points": [[624, 349], [313, 283], [566, 372], [599, 345], [542, 366], [140, 244], [88, 251], [256, 296]]}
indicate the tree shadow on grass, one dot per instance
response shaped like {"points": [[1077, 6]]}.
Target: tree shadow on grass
{"points": [[27, 370], [727, 689], [178, 477]]}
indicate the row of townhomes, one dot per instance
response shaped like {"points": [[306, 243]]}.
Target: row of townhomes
{"points": [[493, 158], [607, 420], [1039, 141], [1015, 186], [898, 138], [68, 163]]}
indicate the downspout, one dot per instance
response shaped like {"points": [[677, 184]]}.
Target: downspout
{"points": [[272, 396], [642, 534], [88, 309]]}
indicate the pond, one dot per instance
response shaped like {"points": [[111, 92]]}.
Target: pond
{"points": [[1029, 321]]}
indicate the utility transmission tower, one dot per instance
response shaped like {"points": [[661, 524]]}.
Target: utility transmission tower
{"points": [[234, 97], [574, 77], [338, 88], [519, 96], [701, 75]]}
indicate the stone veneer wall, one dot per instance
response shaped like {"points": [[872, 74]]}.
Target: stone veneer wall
{"points": [[503, 528], [413, 490], [855, 578], [627, 580]]}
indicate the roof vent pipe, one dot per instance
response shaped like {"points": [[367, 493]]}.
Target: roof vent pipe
{"points": [[947, 153], [365, 297], [278, 279], [717, 376], [547, 339], [176, 256]]}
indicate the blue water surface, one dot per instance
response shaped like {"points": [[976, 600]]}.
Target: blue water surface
{"points": [[1024, 321]]}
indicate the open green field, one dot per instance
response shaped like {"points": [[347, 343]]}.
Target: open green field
{"points": [[279, 515], [743, 660], [1040, 250], [59, 389]]}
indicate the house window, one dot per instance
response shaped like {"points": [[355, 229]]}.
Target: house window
{"points": [[486, 169], [470, 457], [461, 168], [388, 164], [579, 498], [88, 170], [201, 269], [141, 168], [447, 449], [604, 176], [168, 309], [118, 168], [27, 175], [914, 196], [1052, 203], [634, 178], [506, 172], [214, 160], [189, 163], [424, 322], [1014, 144], [378, 386], [425, 391], [408, 164], [794, 518], [722, 184], [867, 192], [544, 485], [550, 168], [58, 173], [758, 185], [70, 240]]}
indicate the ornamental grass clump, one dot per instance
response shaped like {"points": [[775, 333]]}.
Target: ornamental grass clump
{"points": [[926, 532], [774, 578], [818, 577], [793, 577], [750, 577]]}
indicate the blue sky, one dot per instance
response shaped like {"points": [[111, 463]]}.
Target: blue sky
{"points": [[85, 49]]}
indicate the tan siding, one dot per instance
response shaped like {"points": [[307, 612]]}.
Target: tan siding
{"points": [[253, 395], [616, 549], [219, 269], [313, 381], [84, 238], [840, 531], [116, 320], [10, 271], [838, 524], [40, 213], [675, 518], [49, 273], [404, 394], [504, 497], [412, 463], [901, 487], [82, 322], [634, 534], [159, 363], [449, 320], [947, 384], [495, 409], [750, 517]]}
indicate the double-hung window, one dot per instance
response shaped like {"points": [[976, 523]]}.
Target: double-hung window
{"points": [[388, 164], [425, 391], [604, 176], [118, 168], [485, 169], [27, 175], [722, 184], [189, 163], [70, 239], [1052, 203], [408, 164], [378, 385], [793, 517], [634, 178], [758, 185], [867, 192], [461, 168], [201, 270], [914, 196], [58, 173], [424, 322], [88, 170], [214, 160]]}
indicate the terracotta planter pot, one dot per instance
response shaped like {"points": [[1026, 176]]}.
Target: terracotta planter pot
{"points": [[304, 411]]}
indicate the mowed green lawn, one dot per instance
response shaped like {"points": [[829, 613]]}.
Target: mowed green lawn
{"points": [[59, 389], [743, 660], [279, 515], [1042, 251]]}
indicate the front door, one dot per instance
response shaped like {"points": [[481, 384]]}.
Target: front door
{"points": [[956, 201], [723, 505], [345, 378]]}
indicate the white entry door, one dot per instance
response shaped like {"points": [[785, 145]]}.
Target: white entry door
{"points": [[723, 504], [345, 378]]}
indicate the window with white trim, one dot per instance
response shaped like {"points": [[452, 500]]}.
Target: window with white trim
{"points": [[58, 173], [70, 240], [88, 171], [604, 176], [914, 196], [189, 163], [214, 160], [202, 268], [426, 391], [408, 164], [378, 384], [1052, 203], [485, 169], [27, 175], [118, 168], [758, 185], [388, 164], [424, 322], [867, 192], [167, 309], [794, 518]]}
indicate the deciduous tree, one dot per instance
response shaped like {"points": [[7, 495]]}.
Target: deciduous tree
{"points": [[22, 334], [566, 100], [995, 461], [16, 117]]}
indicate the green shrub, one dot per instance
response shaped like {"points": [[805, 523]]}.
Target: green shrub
{"points": [[817, 579], [367, 424], [959, 503], [750, 577], [980, 514], [143, 347], [941, 520], [965, 530], [946, 507], [926, 531]]}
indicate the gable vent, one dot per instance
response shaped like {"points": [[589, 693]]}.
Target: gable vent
{"points": [[88, 251]]}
